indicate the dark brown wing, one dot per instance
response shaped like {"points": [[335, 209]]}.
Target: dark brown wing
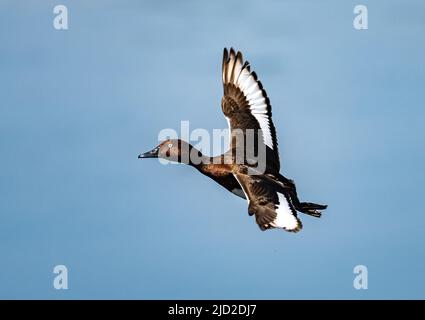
{"points": [[272, 208], [246, 106]]}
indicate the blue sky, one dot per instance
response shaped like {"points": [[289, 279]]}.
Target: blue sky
{"points": [[78, 106]]}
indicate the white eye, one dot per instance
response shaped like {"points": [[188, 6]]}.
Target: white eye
{"points": [[170, 145]]}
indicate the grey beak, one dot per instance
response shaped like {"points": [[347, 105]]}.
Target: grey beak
{"points": [[150, 154]]}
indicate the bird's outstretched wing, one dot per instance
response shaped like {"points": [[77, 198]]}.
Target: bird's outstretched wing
{"points": [[246, 106], [271, 206]]}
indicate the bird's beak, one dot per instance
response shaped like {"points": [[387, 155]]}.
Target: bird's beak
{"points": [[150, 154]]}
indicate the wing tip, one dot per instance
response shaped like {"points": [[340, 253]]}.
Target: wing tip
{"points": [[230, 53], [225, 55]]}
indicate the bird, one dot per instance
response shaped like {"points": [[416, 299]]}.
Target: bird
{"points": [[272, 198]]}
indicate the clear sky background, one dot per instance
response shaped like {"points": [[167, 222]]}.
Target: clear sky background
{"points": [[78, 106]]}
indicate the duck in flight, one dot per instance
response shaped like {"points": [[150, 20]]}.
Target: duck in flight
{"points": [[271, 197]]}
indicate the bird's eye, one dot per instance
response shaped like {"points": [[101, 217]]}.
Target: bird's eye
{"points": [[170, 145]]}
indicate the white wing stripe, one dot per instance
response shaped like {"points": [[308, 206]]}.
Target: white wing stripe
{"points": [[256, 101], [244, 192], [255, 95], [237, 71], [285, 218], [247, 83], [242, 77]]}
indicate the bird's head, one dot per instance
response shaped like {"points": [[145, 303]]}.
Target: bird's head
{"points": [[175, 150]]}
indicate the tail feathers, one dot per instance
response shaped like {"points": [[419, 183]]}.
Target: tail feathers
{"points": [[316, 206], [311, 209]]}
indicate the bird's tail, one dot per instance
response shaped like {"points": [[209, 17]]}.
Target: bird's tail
{"points": [[311, 209]]}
